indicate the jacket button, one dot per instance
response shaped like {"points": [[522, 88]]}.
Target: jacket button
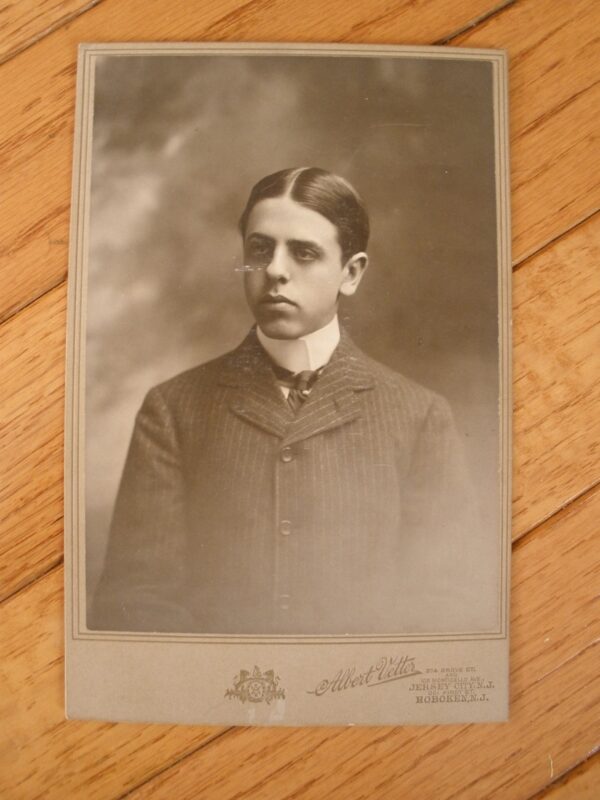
{"points": [[287, 454], [285, 527]]}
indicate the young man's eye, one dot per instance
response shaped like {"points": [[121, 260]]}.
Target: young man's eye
{"points": [[259, 252], [259, 249], [302, 253]]}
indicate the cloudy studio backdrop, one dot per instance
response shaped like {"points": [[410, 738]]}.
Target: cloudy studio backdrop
{"points": [[177, 143]]}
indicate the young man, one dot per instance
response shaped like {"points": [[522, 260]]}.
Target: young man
{"points": [[293, 485]]}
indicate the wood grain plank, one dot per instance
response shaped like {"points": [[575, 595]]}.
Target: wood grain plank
{"points": [[31, 444], [555, 689], [26, 21], [581, 783], [42, 754], [287, 21], [37, 114], [556, 380], [553, 48], [556, 389]]}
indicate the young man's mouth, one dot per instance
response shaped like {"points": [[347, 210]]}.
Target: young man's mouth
{"points": [[276, 299]]}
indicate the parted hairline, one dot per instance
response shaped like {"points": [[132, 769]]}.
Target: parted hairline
{"points": [[322, 191]]}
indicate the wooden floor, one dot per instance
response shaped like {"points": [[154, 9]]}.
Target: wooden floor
{"points": [[547, 750]]}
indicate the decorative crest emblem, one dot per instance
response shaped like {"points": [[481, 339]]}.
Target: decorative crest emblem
{"points": [[256, 687]]}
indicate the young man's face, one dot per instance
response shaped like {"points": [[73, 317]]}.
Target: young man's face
{"points": [[294, 271]]}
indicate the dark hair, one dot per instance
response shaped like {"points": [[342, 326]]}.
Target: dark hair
{"points": [[323, 192]]}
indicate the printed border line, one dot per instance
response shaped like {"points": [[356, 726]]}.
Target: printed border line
{"points": [[75, 407]]}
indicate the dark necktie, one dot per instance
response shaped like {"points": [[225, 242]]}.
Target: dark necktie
{"points": [[299, 384]]}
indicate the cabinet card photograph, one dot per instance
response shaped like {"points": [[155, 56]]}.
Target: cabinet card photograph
{"points": [[288, 416]]}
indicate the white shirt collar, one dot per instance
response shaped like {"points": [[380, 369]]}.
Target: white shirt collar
{"points": [[309, 352]]}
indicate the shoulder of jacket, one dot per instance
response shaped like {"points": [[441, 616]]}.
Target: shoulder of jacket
{"points": [[401, 388], [192, 380]]}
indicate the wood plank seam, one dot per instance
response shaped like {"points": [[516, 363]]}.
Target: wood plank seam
{"points": [[49, 30], [55, 564], [361, 28], [234, 730], [522, 538], [16, 309], [558, 779], [521, 262], [488, 15]]}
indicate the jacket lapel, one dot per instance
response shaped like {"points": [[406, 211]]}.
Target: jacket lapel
{"points": [[335, 399], [256, 396]]}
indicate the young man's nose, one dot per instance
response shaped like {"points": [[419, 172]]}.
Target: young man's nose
{"points": [[278, 268]]}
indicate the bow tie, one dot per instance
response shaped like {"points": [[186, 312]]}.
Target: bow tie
{"points": [[299, 384]]}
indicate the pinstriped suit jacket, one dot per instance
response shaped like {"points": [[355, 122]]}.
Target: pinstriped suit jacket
{"points": [[235, 516]]}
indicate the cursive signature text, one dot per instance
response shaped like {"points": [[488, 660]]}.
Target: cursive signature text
{"points": [[384, 670]]}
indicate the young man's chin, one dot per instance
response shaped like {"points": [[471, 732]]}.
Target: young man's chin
{"points": [[288, 322], [280, 328]]}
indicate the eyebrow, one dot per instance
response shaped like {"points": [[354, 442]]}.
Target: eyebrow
{"points": [[305, 243], [261, 236], [293, 242]]}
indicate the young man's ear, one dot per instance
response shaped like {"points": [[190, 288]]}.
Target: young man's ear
{"points": [[354, 269]]}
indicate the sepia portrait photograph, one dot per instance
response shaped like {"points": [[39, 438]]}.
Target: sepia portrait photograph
{"points": [[290, 345]]}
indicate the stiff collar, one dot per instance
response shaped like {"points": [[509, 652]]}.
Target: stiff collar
{"points": [[309, 352], [333, 401], [249, 363]]}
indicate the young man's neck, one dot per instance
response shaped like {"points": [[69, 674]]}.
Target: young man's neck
{"points": [[308, 352]]}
